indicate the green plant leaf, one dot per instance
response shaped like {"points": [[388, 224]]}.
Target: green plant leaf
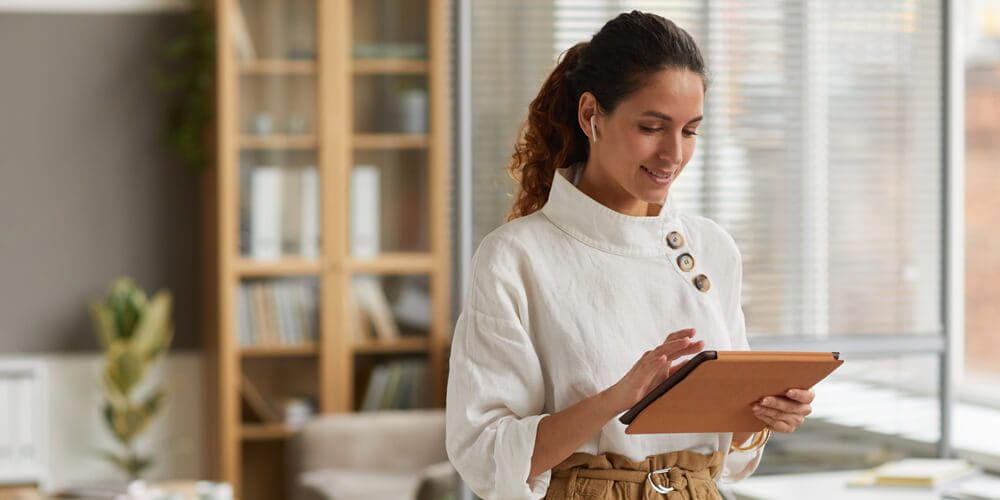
{"points": [[126, 302], [152, 404], [119, 461], [114, 418], [104, 323], [125, 367], [154, 330], [138, 465]]}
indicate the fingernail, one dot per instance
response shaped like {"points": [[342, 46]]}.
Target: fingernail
{"points": [[767, 401], [756, 408], [791, 392]]}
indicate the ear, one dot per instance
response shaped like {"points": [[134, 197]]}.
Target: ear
{"points": [[586, 108]]}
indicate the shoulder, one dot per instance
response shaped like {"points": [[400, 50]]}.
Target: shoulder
{"points": [[501, 266], [510, 243], [713, 241]]}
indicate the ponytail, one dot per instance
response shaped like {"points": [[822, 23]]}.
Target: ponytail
{"points": [[549, 139]]}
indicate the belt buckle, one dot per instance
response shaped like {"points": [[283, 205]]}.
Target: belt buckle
{"points": [[659, 489]]}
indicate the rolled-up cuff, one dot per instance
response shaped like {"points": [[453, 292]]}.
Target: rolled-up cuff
{"points": [[515, 444], [741, 464]]}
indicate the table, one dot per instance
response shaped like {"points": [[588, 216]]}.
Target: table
{"points": [[830, 486]]}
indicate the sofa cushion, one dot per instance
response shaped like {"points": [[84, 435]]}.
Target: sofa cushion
{"points": [[362, 484]]}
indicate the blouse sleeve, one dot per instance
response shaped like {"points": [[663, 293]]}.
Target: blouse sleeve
{"points": [[495, 385], [738, 464]]}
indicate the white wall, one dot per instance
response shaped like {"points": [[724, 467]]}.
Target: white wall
{"points": [[76, 429]]}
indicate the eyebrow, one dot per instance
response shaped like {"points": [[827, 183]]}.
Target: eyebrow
{"points": [[668, 118]]}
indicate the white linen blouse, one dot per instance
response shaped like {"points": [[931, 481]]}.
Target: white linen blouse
{"points": [[561, 303]]}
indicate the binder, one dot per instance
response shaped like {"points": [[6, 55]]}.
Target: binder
{"points": [[716, 390]]}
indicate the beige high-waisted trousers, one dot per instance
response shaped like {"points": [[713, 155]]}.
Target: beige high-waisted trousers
{"points": [[610, 476]]}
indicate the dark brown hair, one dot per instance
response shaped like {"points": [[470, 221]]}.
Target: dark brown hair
{"points": [[614, 64]]}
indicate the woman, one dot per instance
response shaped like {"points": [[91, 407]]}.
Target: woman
{"points": [[569, 302]]}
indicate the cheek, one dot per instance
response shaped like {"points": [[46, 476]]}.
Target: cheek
{"points": [[689, 148]]}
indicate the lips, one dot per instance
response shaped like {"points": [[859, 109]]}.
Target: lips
{"points": [[660, 174]]}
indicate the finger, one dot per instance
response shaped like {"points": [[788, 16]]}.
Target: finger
{"points": [[693, 348], [801, 395], [774, 424], [673, 345], [673, 369], [785, 405], [791, 419], [687, 332]]}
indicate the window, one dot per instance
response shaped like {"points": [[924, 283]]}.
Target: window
{"points": [[982, 252], [822, 153]]}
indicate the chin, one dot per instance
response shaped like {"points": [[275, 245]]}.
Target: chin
{"points": [[655, 196]]}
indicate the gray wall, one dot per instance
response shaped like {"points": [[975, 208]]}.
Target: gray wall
{"points": [[88, 191]]}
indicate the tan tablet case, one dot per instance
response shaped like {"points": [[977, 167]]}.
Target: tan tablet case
{"points": [[718, 394]]}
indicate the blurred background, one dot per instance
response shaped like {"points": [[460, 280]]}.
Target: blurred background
{"points": [[236, 233]]}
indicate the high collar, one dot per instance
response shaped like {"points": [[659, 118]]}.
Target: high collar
{"points": [[587, 220]]}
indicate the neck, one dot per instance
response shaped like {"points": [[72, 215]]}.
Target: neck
{"points": [[603, 189]]}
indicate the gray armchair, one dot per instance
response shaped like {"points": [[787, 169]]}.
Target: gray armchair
{"points": [[391, 455]]}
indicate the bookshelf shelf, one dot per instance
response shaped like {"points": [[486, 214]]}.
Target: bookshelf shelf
{"points": [[397, 263], [308, 94], [249, 142], [278, 67], [390, 141], [277, 351], [389, 66], [249, 268], [402, 345], [265, 432]]}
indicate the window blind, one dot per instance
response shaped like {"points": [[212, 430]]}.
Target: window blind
{"points": [[821, 151]]}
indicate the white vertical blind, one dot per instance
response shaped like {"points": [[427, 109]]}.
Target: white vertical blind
{"points": [[821, 150]]}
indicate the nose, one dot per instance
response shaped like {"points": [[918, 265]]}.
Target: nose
{"points": [[672, 149]]}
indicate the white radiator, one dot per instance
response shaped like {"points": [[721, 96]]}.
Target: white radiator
{"points": [[22, 421]]}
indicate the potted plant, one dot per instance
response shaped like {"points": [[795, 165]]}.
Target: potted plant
{"points": [[135, 333]]}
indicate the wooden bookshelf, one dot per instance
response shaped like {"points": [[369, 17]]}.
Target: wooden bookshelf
{"points": [[390, 141], [265, 432], [278, 142], [402, 345], [389, 66], [278, 67], [308, 90], [289, 350]]}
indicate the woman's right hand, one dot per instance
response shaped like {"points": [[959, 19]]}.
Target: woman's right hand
{"points": [[652, 368]]}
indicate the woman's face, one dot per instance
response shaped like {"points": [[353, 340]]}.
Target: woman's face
{"points": [[643, 146]]}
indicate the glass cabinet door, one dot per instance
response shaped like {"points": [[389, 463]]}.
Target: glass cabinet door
{"points": [[275, 47], [389, 178]]}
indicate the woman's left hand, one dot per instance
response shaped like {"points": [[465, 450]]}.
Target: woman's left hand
{"points": [[785, 413]]}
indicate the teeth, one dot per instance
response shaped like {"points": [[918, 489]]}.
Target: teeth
{"points": [[661, 176]]}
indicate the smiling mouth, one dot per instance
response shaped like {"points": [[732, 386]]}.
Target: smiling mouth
{"points": [[656, 174]]}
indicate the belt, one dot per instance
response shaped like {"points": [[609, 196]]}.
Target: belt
{"points": [[661, 480], [657, 479]]}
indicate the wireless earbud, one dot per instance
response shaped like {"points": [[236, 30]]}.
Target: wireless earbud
{"points": [[593, 130]]}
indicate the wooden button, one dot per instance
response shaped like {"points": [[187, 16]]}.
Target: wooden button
{"points": [[675, 240], [685, 261], [702, 283]]}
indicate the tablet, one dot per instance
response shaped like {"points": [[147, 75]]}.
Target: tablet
{"points": [[715, 390]]}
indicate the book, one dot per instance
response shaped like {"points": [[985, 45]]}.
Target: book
{"points": [[242, 41], [376, 386], [391, 386], [914, 472], [981, 487], [291, 210], [365, 211], [375, 305], [309, 210], [265, 213], [257, 402]]}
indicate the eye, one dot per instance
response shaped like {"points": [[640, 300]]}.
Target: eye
{"points": [[690, 133], [649, 130]]}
